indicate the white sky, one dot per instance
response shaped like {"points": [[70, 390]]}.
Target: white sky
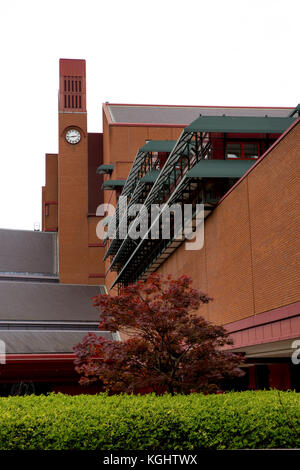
{"points": [[197, 52]]}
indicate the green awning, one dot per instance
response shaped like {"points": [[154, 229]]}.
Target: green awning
{"points": [[296, 110], [150, 176], [104, 169], [113, 184], [242, 124], [220, 168], [158, 146]]}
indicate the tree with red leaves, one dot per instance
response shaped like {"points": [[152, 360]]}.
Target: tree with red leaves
{"points": [[168, 347]]}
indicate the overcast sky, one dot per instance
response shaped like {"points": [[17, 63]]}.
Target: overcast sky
{"points": [[193, 52]]}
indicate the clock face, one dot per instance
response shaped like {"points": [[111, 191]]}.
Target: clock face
{"points": [[73, 136]]}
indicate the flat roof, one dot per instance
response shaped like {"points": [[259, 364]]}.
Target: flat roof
{"points": [[183, 115], [27, 251]]}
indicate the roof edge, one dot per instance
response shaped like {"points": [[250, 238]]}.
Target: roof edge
{"points": [[144, 124], [198, 106], [171, 125]]}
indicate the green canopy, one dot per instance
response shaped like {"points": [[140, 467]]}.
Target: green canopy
{"points": [[241, 124], [220, 168], [104, 169], [113, 184], [158, 146], [150, 176]]}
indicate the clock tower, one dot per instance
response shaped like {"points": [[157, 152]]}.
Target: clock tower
{"points": [[72, 172]]}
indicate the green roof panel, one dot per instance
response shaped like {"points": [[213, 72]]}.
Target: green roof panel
{"points": [[296, 110], [113, 184], [220, 168], [241, 124], [150, 176], [104, 169], [158, 146]]}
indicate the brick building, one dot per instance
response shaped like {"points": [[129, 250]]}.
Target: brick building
{"points": [[241, 163]]}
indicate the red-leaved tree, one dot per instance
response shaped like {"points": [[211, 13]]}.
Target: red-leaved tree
{"points": [[168, 347]]}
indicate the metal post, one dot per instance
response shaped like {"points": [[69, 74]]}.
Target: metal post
{"points": [[201, 143]]}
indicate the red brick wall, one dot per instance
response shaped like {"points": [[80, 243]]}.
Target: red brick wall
{"points": [[50, 194], [73, 201], [95, 158], [250, 260]]}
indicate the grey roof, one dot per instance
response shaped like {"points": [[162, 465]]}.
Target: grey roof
{"points": [[28, 277], [35, 301], [37, 318], [25, 251], [37, 314], [152, 114], [44, 342]]}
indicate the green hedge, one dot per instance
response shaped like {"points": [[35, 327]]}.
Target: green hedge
{"points": [[228, 421]]}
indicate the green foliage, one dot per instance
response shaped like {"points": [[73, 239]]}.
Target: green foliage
{"points": [[235, 420]]}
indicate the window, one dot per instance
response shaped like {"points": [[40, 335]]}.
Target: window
{"points": [[251, 150], [234, 151], [72, 90], [242, 150]]}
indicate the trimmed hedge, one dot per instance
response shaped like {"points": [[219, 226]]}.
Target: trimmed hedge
{"points": [[235, 420]]}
